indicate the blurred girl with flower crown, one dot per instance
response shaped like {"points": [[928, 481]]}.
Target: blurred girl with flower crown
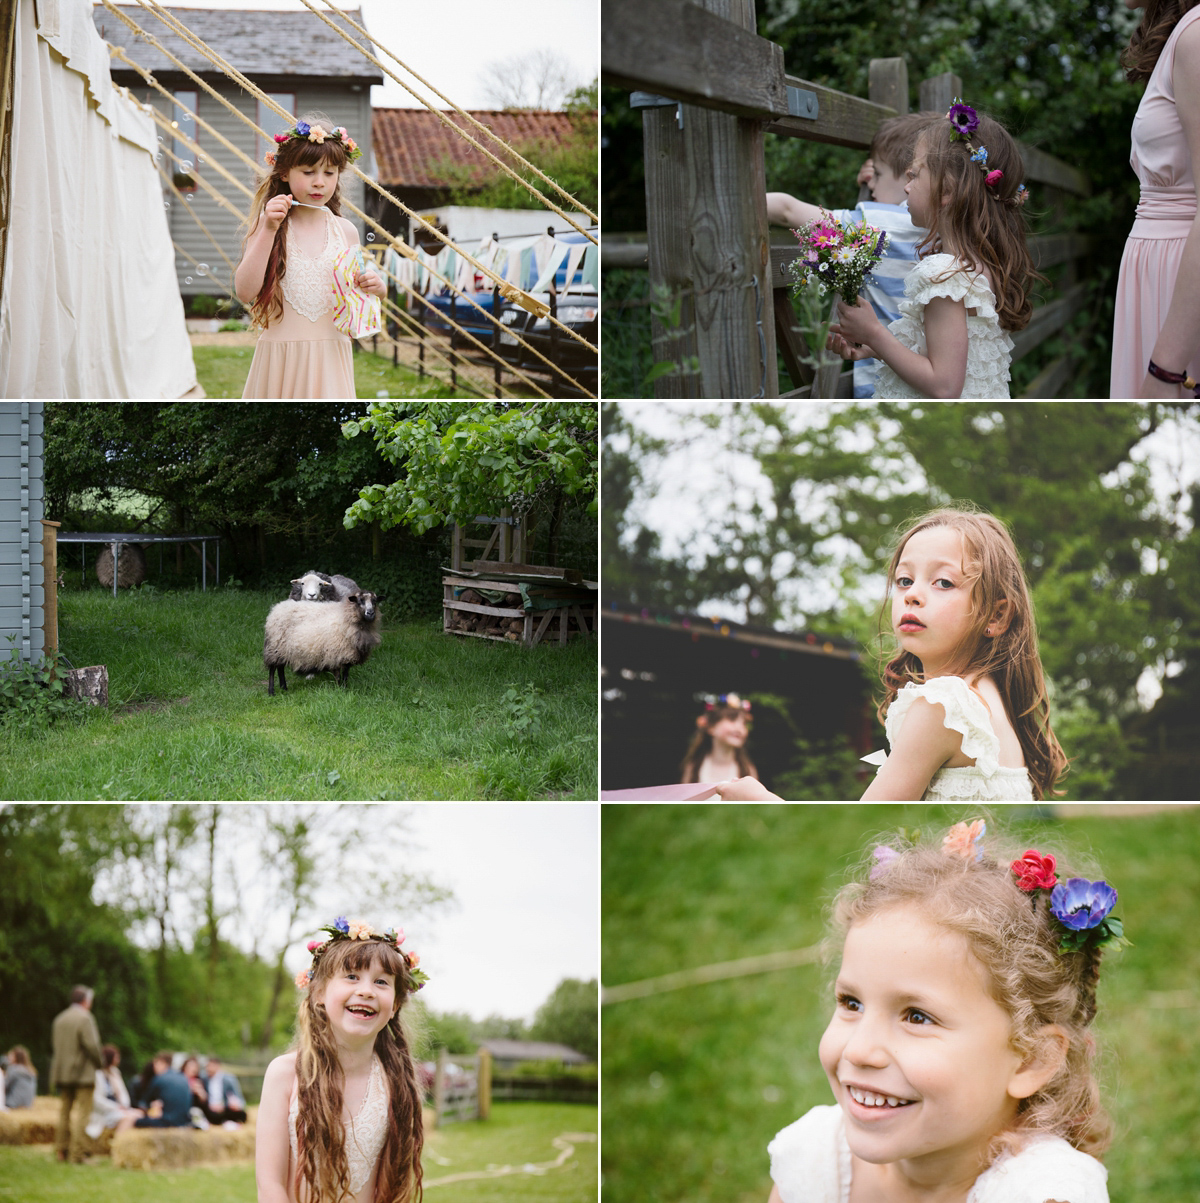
{"points": [[340, 1116], [971, 287], [718, 749], [959, 1051], [965, 707], [286, 272]]}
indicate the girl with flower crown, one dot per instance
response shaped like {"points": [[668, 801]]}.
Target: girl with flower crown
{"points": [[971, 286], [718, 749], [959, 1051], [340, 1115], [295, 233], [965, 707]]}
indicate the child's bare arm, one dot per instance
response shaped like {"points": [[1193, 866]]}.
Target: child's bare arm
{"points": [[942, 371], [785, 210], [271, 1147], [923, 744], [248, 279]]}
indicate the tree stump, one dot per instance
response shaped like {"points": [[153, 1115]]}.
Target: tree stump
{"points": [[87, 684], [131, 565]]}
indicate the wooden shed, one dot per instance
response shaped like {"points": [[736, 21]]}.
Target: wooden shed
{"points": [[294, 57], [22, 509]]}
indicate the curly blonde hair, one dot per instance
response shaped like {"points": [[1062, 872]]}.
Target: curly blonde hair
{"points": [[321, 1136], [1016, 940]]}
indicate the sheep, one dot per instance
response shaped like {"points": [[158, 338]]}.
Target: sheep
{"points": [[314, 639], [314, 586], [343, 585]]}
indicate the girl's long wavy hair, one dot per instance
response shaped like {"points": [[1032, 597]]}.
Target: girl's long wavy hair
{"points": [[992, 571], [321, 1167], [702, 745], [295, 152], [1159, 18], [1014, 937], [981, 223]]}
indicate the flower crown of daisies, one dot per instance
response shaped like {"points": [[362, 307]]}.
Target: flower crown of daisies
{"points": [[1081, 908], [357, 929], [318, 134], [965, 121]]}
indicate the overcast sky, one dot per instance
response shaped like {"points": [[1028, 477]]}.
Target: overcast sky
{"points": [[451, 44]]}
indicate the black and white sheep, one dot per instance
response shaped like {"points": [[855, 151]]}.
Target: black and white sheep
{"points": [[313, 639], [314, 586]]}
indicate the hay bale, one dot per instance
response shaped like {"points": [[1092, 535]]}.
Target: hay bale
{"points": [[131, 565], [175, 1148], [34, 1125]]}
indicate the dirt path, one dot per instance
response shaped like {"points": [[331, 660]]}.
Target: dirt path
{"points": [[225, 338]]}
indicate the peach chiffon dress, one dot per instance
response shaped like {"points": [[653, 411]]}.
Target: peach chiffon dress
{"points": [[1164, 219], [303, 354]]}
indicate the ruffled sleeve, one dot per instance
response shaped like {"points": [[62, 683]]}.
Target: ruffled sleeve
{"points": [[965, 713], [810, 1160], [1049, 1169], [945, 276]]}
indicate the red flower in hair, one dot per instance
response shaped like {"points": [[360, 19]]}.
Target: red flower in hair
{"points": [[1035, 872]]}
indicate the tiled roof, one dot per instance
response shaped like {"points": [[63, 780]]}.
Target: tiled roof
{"points": [[254, 41], [410, 143]]}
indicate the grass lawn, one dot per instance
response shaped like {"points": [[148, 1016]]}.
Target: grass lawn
{"points": [[222, 372], [518, 1134], [189, 716], [698, 1080]]}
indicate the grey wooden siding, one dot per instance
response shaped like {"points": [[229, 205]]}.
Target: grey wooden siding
{"points": [[346, 107], [22, 508]]}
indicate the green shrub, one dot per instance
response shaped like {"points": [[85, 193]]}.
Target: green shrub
{"points": [[31, 695]]}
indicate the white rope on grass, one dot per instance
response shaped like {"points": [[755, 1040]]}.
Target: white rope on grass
{"points": [[703, 974], [565, 1144]]}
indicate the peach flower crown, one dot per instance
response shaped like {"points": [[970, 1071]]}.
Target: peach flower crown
{"points": [[357, 929], [318, 134]]}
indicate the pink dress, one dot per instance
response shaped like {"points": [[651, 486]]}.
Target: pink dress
{"points": [[1165, 214], [303, 354]]}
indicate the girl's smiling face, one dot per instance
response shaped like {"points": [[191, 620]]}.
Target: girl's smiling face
{"points": [[915, 1024], [359, 1002], [930, 588], [313, 184], [732, 730]]}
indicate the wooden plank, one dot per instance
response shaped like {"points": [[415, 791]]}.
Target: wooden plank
{"points": [[677, 49], [529, 570], [782, 254], [887, 83], [790, 341], [937, 93], [623, 254], [1049, 381], [842, 119], [491, 611], [845, 388], [1048, 319], [1042, 168], [1048, 250]]}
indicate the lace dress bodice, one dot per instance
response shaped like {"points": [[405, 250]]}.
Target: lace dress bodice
{"points": [[308, 281], [987, 780], [811, 1162], [365, 1132], [989, 348]]}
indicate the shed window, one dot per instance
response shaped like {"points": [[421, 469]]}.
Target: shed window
{"points": [[184, 120]]}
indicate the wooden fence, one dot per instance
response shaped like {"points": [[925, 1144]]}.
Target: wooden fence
{"points": [[466, 1094], [710, 89]]}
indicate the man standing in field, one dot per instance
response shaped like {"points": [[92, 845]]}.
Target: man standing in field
{"points": [[77, 1056]]}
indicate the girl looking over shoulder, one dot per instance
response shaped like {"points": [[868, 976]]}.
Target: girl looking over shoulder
{"points": [[971, 287], [340, 1116], [286, 272], [959, 1053], [964, 707], [718, 749]]}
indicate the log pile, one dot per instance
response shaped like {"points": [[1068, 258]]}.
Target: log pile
{"points": [[495, 625]]}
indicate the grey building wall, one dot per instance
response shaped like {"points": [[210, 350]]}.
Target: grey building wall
{"points": [[22, 508]]}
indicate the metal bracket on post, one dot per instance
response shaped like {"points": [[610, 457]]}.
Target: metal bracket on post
{"points": [[801, 103], [651, 100]]}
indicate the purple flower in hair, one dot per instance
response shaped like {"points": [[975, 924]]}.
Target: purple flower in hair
{"points": [[302, 128], [964, 119], [341, 924], [1082, 904], [884, 855]]}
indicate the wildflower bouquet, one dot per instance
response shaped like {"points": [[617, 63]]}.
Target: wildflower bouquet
{"points": [[837, 256]]}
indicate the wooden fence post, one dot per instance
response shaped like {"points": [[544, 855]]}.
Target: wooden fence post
{"points": [[439, 1087], [707, 230], [485, 1084], [938, 92]]}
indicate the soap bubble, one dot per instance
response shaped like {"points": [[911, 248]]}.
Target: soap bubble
{"points": [[160, 137], [187, 279], [203, 159], [186, 165], [202, 269], [370, 237], [166, 204], [188, 197]]}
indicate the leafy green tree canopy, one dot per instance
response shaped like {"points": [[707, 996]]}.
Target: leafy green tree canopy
{"points": [[570, 1016]]}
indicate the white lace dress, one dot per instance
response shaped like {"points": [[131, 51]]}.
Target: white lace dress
{"points": [[365, 1132], [987, 780], [811, 1163], [303, 354], [989, 349]]}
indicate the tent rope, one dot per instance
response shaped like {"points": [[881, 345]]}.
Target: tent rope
{"points": [[447, 122]]}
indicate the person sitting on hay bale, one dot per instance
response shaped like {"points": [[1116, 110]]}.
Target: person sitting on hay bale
{"points": [[225, 1102], [20, 1079], [110, 1099], [169, 1088]]}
